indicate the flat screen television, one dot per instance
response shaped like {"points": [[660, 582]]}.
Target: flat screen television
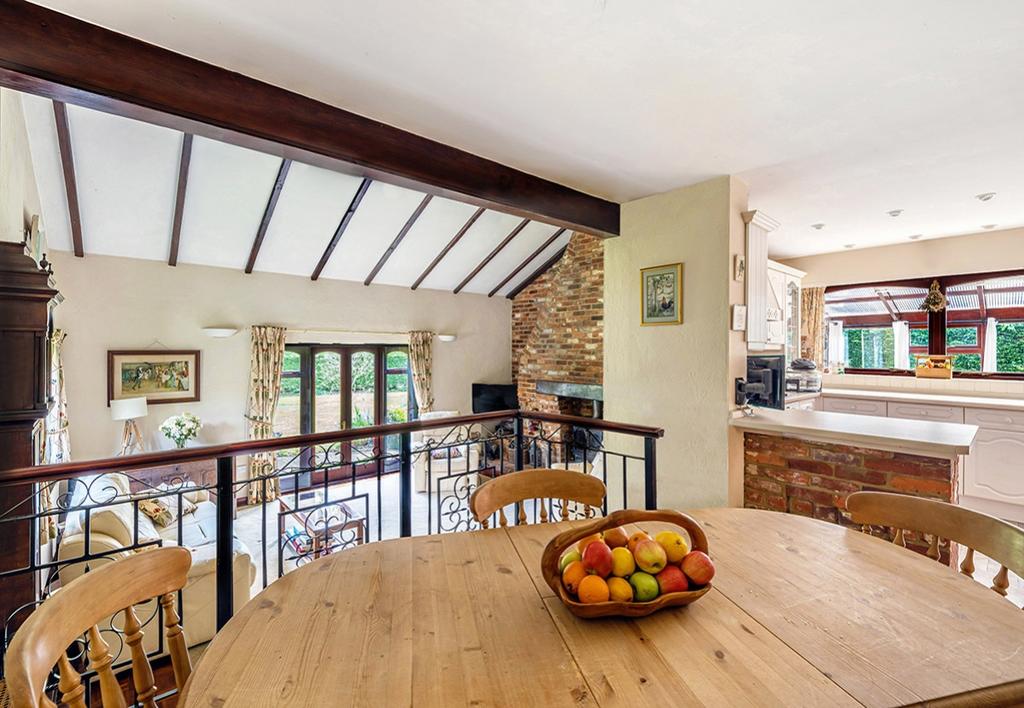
{"points": [[494, 397]]}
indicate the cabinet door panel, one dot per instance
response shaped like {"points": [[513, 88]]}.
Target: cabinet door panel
{"points": [[995, 468]]}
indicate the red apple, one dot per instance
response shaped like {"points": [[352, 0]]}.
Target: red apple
{"points": [[672, 579], [597, 558], [698, 567]]}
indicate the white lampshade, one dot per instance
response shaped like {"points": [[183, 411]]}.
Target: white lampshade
{"points": [[128, 408]]}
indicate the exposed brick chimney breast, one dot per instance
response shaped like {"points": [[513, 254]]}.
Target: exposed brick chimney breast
{"points": [[558, 325]]}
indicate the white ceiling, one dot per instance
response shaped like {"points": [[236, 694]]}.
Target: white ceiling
{"points": [[833, 112], [127, 175]]}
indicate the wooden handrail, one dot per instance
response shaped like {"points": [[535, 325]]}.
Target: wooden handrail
{"points": [[48, 473]]}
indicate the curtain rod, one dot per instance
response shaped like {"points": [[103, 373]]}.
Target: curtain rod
{"points": [[323, 330]]}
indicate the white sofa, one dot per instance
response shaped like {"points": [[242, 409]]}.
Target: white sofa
{"points": [[112, 529], [460, 462]]}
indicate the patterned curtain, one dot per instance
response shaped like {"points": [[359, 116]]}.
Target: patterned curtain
{"points": [[56, 442], [265, 364], [812, 325], [421, 356]]}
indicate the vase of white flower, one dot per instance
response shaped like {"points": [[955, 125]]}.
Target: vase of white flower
{"points": [[179, 429]]}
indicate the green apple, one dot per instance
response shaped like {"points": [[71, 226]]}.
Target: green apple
{"points": [[568, 557], [645, 586]]}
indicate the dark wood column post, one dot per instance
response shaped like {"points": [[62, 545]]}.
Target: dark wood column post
{"points": [[937, 328]]}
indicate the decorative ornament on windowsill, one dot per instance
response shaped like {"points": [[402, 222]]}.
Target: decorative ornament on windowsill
{"points": [[935, 301], [180, 429], [128, 410]]}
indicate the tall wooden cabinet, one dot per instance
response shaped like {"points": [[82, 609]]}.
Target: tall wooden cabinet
{"points": [[26, 298]]}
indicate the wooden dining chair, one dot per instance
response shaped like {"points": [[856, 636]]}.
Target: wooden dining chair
{"points": [[540, 484], [77, 609], [995, 538]]}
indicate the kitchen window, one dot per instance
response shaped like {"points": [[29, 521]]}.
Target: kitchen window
{"points": [[883, 326]]}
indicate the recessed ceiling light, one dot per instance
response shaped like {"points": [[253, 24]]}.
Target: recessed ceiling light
{"points": [[849, 245], [985, 196], [989, 226], [915, 237], [894, 213], [818, 226]]}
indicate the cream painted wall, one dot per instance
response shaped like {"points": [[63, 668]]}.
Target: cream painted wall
{"points": [[678, 377], [120, 303], [19, 196], [974, 253]]}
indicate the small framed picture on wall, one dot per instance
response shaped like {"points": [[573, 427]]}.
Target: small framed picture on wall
{"points": [[160, 376], [661, 295]]}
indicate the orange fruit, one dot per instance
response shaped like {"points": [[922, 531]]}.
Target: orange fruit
{"points": [[637, 538], [593, 588], [582, 545], [572, 575], [620, 590]]}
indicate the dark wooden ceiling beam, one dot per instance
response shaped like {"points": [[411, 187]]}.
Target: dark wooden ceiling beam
{"points": [[982, 305], [67, 161], [548, 264], [490, 256], [451, 244], [398, 239], [179, 197], [55, 55], [268, 213], [342, 225], [550, 240]]}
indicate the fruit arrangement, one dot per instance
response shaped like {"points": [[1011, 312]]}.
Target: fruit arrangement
{"points": [[604, 568]]}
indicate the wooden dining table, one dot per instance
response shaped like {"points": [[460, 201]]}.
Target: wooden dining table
{"points": [[802, 612]]}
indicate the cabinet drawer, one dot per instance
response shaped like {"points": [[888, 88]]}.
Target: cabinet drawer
{"points": [[995, 419], [859, 406], [926, 411]]}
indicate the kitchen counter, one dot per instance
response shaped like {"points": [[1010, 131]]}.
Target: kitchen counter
{"points": [[1015, 404], [924, 438]]}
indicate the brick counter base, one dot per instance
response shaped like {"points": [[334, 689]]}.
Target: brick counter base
{"points": [[813, 479]]}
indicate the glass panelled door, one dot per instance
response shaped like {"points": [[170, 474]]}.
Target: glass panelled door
{"points": [[336, 387], [362, 407]]}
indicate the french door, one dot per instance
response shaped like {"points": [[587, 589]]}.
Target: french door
{"points": [[341, 387]]}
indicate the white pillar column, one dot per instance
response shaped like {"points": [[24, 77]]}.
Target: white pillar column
{"points": [[988, 353], [836, 344], [901, 344]]}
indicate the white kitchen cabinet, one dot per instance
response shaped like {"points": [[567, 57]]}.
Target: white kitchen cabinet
{"points": [[994, 470], [858, 406], [925, 411]]}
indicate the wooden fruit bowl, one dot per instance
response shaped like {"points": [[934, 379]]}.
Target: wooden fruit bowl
{"points": [[553, 552]]}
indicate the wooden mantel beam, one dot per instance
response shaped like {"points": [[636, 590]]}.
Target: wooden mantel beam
{"points": [[51, 54]]}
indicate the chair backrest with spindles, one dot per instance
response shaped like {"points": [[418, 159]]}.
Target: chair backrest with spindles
{"points": [[540, 484], [997, 539], [77, 609]]}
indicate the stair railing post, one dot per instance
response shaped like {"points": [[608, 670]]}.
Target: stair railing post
{"points": [[650, 473], [225, 540], [405, 485]]}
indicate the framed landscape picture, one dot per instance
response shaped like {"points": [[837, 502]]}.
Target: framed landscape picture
{"points": [[160, 376], [661, 295]]}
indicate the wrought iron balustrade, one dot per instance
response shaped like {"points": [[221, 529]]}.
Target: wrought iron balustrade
{"points": [[325, 492]]}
